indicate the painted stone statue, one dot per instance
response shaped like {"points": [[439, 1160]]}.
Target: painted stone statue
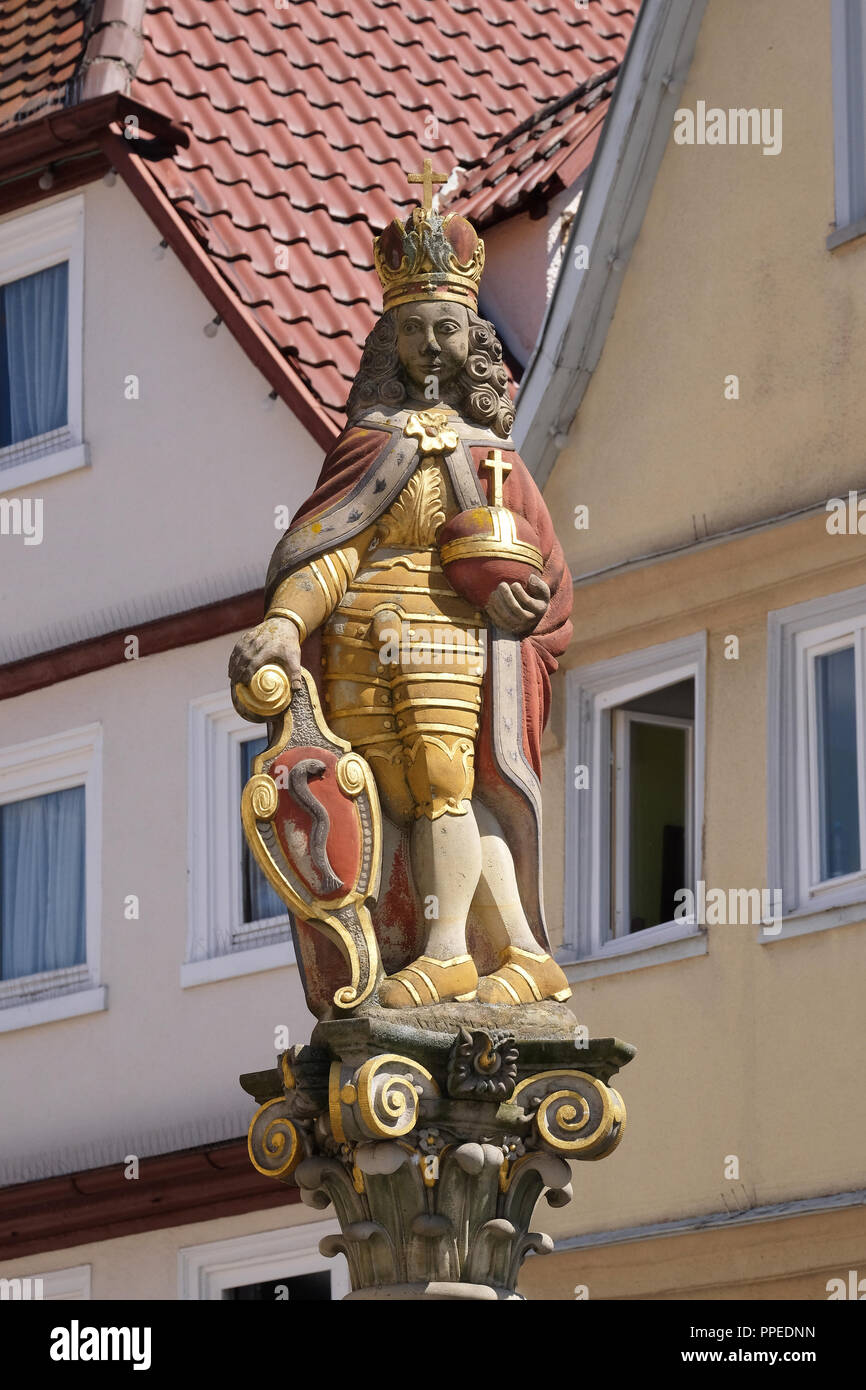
{"points": [[415, 610]]}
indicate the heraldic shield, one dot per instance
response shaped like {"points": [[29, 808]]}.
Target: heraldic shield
{"points": [[312, 820]]}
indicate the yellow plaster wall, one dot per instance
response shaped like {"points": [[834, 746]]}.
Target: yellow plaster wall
{"points": [[754, 1050], [730, 274], [765, 1261]]}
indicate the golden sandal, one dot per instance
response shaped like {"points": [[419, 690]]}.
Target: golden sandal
{"points": [[429, 981], [524, 978]]}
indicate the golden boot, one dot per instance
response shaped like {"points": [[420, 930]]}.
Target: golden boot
{"points": [[524, 978], [428, 981]]}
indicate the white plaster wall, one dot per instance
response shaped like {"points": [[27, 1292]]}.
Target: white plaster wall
{"points": [[158, 1070], [179, 498], [146, 1266], [522, 260]]}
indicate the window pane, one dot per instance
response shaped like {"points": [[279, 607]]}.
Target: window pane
{"points": [[259, 898], [298, 1288], [836, 717], [42, 895], [675, 701], [658, 768], [34, 354], [855, 115]]}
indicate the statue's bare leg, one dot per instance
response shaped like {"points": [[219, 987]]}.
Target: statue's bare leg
{"points": [[526, 972], [446, 866], [497, 902]]}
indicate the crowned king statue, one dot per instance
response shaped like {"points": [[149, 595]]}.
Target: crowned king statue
{"points": [[415, 610]]}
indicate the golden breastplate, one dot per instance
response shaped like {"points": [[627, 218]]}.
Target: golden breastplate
{"points": [[401, 571], [404, 659]]}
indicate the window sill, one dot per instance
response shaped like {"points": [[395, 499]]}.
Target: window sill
{"points": [[32, 989], [842, 235], [268, 931], [655, 946], [250, 962], [36, 470], [811, 919], [85, 1001]]}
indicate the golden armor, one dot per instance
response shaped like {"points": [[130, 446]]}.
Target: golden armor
{"points": [[404, 646], [403, 654]]}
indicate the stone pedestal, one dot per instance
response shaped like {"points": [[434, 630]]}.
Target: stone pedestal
{"points": [[434, 1139]]}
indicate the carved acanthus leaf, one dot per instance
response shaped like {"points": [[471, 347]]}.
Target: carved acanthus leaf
{"points": [[418, 512]]}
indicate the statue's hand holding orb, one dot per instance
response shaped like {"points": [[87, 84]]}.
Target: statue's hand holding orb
{"points": [[276, 641], [519, 608]]}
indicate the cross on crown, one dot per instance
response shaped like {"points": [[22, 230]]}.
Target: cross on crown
{"points": [[430, 257], [427, 177]]}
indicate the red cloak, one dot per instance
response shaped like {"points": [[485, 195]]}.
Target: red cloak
{"points": [[399, 924]]}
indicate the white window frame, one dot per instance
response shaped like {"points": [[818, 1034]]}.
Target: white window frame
{"points": [[849, 119], [811, 885], [70, 759], [795, 636], [219, 944], [205, 1271], [54, 1285], [31, 242], [622, 722], [65, 1285], [592, 693]]}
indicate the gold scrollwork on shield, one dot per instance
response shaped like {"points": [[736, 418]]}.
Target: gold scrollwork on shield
{"points": [[352, 774], [263, 795], [345, 921]]}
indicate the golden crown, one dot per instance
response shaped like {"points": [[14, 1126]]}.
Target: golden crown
{"points": [[430, 256]]}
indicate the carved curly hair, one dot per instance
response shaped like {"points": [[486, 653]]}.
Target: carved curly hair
{"points": [[479, 392]]}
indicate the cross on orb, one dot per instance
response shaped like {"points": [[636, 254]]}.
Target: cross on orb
{"points": [[498, 468], [427, 177]]}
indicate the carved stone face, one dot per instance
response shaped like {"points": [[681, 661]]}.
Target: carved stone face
{"points": [[432, 341]]}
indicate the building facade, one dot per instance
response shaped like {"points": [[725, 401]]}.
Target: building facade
{"points": [[185, 283], [692, 407], [713, 706]]}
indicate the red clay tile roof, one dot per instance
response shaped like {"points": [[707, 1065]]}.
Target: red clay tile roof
{"points": [[541, 157], [302, 120], [41, 43]]}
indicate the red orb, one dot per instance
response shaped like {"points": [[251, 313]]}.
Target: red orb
{"points": [[484, 546]]}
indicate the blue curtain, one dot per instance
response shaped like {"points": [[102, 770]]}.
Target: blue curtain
{"points": [[259, 898], [35, 351], [42, 893]]}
